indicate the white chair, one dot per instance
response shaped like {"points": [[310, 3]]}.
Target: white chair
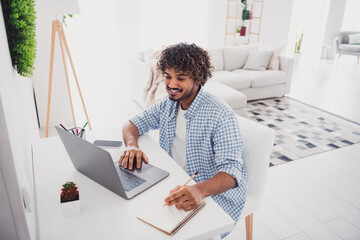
{"points": [[342, 46], [258, 143]]}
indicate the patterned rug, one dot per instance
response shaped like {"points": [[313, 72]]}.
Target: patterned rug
{"points": [[301, 130]]}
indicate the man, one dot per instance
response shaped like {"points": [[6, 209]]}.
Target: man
{"points": [[197, 129]]}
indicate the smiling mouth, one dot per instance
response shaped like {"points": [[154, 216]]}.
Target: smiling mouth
{"points": [[174, 91]]}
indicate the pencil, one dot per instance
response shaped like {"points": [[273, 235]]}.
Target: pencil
{"points": [[187, 181]]}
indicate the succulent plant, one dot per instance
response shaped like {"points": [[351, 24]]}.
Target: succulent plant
{"points": [[69, 192]]}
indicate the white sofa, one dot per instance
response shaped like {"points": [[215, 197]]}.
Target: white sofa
{"points": [[229, 63], [228, 76]]}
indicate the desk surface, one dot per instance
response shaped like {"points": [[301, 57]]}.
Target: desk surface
{"points": [[105, 215]]}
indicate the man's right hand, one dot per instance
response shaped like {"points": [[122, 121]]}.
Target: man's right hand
{"points": [[131, 153]]}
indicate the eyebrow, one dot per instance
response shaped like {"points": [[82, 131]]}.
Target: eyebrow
{"points": [[179, 75]]}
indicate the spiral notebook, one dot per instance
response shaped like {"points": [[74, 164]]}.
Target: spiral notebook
{"points": [[168, 219]]}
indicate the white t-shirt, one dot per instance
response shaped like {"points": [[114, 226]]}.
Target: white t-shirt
{"points": [[178, 147]]}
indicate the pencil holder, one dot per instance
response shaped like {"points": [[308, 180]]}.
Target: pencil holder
{"points": [[78, 131]]}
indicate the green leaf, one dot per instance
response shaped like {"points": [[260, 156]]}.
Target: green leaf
{"points": [[20, 23]]}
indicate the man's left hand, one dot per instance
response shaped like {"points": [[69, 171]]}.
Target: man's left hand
{"points": [[185, 197]]}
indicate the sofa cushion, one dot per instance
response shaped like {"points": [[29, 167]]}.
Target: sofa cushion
{"points": [[231, 79], [258, 60], [232, 97], [216, 58], [263, 78], [354, 39], [274, 63], [235, 57], [349, 47]]}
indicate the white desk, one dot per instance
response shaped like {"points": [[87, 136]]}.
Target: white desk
{"points": [[105, 215]]}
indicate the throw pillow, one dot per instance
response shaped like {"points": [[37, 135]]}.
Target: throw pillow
{"points": [[274, 63], [258, 60], [354, 39], [235, 57], [216, 58]]}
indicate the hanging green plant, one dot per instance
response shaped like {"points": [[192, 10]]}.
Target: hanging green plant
{"points": [[19, 17]]}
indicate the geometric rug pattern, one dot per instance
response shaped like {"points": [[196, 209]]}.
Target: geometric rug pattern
{"points": [[301, 130]]}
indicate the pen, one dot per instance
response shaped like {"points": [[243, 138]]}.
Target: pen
{"points": [[83, 129], [187, 181], [66, 129], [63, 127]]}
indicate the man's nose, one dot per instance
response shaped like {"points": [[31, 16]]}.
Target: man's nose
{"points": [[172, 83]]}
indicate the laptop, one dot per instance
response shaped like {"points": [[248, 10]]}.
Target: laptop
{"points": [[97, 164]]}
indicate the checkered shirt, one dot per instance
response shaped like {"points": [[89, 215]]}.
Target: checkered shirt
{"points": [[213, 142]]}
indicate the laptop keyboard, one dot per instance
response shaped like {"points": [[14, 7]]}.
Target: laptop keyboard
{"points": [[129, 181]]}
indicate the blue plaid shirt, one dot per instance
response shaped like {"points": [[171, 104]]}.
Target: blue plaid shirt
{"points": [[213, 142]]}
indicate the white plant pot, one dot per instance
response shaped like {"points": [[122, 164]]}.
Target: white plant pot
{"points": [[297, 57], [70, 209]]}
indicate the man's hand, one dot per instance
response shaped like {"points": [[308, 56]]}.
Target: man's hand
{"points": [[128, 156], [185, 197]]}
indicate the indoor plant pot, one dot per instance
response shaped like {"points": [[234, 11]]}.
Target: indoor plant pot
{"points": [[70, 200], [243, 31]]}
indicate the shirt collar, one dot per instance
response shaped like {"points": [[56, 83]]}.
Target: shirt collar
{"points": [[195, 104]]}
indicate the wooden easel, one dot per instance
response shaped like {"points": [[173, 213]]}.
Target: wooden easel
{"points": [[58, 27]]}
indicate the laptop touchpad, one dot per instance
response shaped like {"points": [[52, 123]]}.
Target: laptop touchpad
{"points": [[144, 168]]}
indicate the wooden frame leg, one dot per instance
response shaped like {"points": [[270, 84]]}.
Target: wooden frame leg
{"points": [[358, 60], [249, 226], [73, 69], [50, 76], [66, 72], [57, 27]]}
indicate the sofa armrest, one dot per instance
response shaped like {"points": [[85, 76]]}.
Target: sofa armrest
{"points": [[140, 73], [336, 44], [287, 65]]}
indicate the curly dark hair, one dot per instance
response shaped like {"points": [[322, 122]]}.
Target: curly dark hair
{"points": [[190, 59]]}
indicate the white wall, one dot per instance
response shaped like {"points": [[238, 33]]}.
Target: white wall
{"points": [[105, 35], [276, 22], [312, 24], [333, 25], [352, 16], [16, 95]]}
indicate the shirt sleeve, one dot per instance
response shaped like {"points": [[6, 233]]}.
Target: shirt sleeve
{"points": [[149, 119], [228, 146]]}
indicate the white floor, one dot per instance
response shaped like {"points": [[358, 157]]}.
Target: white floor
{"points": [[332, 85], [317, 197]]}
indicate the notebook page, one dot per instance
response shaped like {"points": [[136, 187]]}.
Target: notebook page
{"points": [[165, 218]]}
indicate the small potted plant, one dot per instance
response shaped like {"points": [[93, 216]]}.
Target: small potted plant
{"points": [[70, 200], [246, 15], [297, 51], [243, 29]]}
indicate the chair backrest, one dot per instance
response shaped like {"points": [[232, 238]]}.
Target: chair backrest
{"points": [[258, 143], [343, 37]]}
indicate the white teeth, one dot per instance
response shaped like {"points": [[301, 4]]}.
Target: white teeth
{"points": [[173, 91]]}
